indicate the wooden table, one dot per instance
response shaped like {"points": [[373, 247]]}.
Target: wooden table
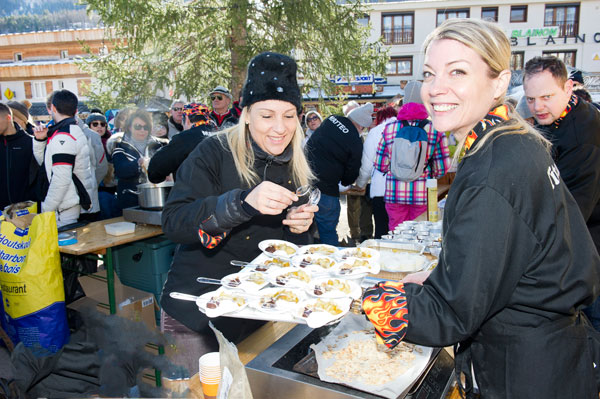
{"points": [[93, 239]]}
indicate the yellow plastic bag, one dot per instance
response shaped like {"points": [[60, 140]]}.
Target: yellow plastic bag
{"points": [[31, 284]]}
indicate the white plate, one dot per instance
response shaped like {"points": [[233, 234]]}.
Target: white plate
{"points": [[403, 262], [334, 287], [248, 281], [225, 305], [292, 275], [276, 296], [369, 254], [314, 263], [276, 262], [352, 268], [318, 249], [279, 248], [318, 317]]}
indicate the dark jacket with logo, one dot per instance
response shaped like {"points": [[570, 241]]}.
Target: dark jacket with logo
{"points": [[334, 151], [206, 201], [576, 151], [517, 266], [18, 168]]}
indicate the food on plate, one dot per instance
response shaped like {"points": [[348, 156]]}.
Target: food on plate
{"points": [[278, 262], [381, 368], [272, 248], [322, 306], [216, 300], [332, 285], [283, 279], [325, 263], [256, 278], [347, 268], [321, 250], [235, 280], [270, 301], [358, 253]]}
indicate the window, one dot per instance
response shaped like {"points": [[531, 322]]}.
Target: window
{"points": [[489, 14], [18, 57], [39, 89], [445, 14], [400, 66], [565, 17], [61, 84], [568, 57], [64, 54], [398, 28], [363, 20], [516, 60], [518, 13]]}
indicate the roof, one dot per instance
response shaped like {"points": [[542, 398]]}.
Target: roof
{"points": [[39, 108]]}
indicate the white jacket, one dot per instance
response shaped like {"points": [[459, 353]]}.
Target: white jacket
{"points": [[65, 152], [367, 168]]}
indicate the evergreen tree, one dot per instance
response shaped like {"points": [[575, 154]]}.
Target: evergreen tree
{"points": [[188, 48]]}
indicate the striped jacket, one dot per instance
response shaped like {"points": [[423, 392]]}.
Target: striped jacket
{"points": [[438, 159]]}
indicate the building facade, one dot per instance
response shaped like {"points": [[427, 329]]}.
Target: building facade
{"points": [[569, 30], [34, 64]]}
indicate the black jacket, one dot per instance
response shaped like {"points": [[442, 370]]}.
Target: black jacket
{"points": [[334, 151], [18, 168], [576, 151], [168, 159], [207, 197], [518, 264], [228, 119]]}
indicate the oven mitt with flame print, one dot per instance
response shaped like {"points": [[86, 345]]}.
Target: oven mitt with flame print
{"points": [[385, 307]]}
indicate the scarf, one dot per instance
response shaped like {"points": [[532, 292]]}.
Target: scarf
{"points": [[495, 116], [570, 105]]}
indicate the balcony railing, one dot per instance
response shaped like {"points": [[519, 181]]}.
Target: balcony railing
{"points": [[399, 36], [565, 28]]}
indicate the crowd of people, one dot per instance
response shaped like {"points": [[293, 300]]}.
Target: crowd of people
{"points": [[521, 223]]}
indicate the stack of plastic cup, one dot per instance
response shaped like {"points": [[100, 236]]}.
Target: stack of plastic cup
{"points": [[210, 374]]}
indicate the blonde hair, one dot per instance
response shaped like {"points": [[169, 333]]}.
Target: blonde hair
{"points": [[238, 139], [489, 41]]}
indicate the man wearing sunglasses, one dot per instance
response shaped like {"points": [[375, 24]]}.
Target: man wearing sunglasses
{"points": [[176, 119], [223, 116]]}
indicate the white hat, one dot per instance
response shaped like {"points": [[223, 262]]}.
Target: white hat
{"points": [[362, 115]]}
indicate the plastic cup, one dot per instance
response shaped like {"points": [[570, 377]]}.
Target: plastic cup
{"points": [[209, 372]]}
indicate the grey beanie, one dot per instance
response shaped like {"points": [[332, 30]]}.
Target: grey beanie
{"points": [[362, 115], [412, 92], [95, 117]]}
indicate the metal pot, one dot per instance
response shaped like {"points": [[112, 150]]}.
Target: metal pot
{"points": [[152, 196]]}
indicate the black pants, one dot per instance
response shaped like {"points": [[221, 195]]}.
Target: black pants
{"points": [[380, 215]]}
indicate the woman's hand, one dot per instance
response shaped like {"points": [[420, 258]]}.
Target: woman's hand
{"points": [[270, 199], [300, 218], [416, 278]]}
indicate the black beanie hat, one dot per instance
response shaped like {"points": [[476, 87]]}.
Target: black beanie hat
{"points": [[271, 76]]}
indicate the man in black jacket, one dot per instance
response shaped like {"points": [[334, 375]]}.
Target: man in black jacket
{"points": [[198, 125], [334, 151], [17, 165], [573, 127]]}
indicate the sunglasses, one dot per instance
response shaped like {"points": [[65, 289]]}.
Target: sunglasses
{"points": [[312, 118], [177, 109], [137, 126], [213, 98], [95, 124]]}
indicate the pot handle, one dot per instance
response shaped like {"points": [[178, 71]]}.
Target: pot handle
{"points": [[130, 191]]}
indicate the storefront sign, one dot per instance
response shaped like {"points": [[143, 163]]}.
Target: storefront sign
{"points": [[359, 80], [548, 31], [546, 36]]}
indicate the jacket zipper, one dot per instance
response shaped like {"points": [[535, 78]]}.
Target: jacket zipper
{"points": [[269, 162]]}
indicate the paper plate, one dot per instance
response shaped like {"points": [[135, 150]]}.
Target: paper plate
{"points": [[246, 281], [278, 248], [293, 277], [318, 249], [315, 263], [278, 300], [369, 254], [224, 302], [318, 312], [334, 287], [356, 267]]}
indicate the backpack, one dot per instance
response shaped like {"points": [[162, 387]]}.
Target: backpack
{"points": [[409, 151]]}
